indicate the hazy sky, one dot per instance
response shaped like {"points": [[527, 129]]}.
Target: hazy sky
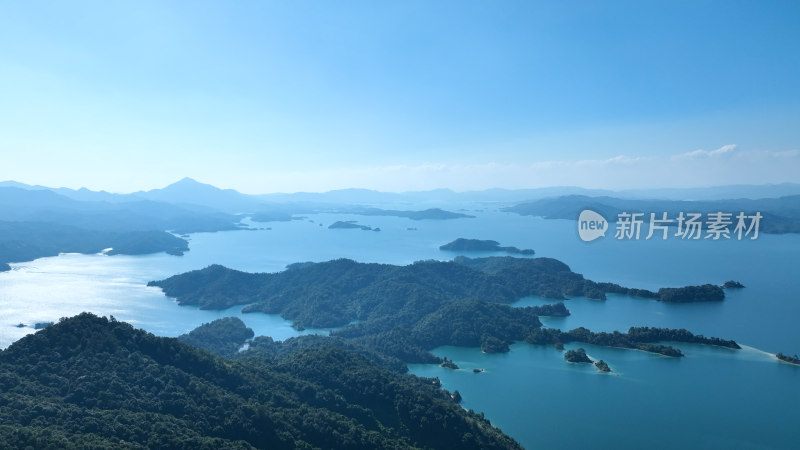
{"points": [[315, 95]]}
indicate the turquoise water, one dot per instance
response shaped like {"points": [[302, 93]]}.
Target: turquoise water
{"points": [[713, 398]]}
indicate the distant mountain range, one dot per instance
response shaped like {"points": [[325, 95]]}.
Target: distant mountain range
{"points": [[41, 221], [190, 193]]}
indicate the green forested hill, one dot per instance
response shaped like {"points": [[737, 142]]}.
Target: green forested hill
{"points": [[335, 293], [89, 382]]}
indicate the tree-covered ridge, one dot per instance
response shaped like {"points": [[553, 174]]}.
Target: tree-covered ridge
{"points": [[264, 348], [466, 323], [26, 241], [93, 382]]}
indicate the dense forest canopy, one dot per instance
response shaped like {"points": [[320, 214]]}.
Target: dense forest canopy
{"points": [[92, 382]]}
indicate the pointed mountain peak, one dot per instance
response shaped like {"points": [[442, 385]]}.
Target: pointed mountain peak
{"points": [[186, 185], [186, 181]]}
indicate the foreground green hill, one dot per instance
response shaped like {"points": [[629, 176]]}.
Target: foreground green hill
{"points": [[89, 382]]}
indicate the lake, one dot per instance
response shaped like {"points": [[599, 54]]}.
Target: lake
{"points": [[712, 398]]}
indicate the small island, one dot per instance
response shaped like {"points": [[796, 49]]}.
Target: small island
{"points": [[41, 325], [731, 284], [577, 356], [602, 366], [478, 245], [788, 359], [448, 364], [350, 224]]}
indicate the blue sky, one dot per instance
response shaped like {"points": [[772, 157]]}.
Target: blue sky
{"points": [[316, 95]]}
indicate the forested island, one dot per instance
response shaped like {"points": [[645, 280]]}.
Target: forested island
{"points": [[577, 356], [350, 224], [477, 245], [405, 311], [91, 382], [602, 366]]}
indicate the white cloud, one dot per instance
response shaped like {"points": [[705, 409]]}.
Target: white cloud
{"points": [[724, 150], [619, 159], [702, 168]]}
